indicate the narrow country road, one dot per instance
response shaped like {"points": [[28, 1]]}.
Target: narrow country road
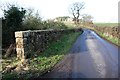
{"points": [[90, 57]]}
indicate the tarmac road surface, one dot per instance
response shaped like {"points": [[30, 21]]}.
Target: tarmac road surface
{"points": [[89, 57]]}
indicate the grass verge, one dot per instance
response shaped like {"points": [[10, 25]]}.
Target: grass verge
{"points": [[111, 39], [48, 59], [106, 24]]}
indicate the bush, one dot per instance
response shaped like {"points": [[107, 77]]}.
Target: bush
{"points": [[54, 25], [33, 22], [11, 22], [36, 24]]}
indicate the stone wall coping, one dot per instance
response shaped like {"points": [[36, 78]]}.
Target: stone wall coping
{"points": [[22, 34]]}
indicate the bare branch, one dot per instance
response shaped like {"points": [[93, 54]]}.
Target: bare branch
{"points": [[75, 10]]}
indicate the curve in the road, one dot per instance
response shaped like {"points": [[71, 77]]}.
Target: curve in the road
{"points": [[90, 57]]}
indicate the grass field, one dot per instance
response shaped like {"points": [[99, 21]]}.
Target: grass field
{"points": [[106, 24], [72, 25]]}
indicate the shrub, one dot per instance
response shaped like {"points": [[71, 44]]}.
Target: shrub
{"points": [[11, 22]]}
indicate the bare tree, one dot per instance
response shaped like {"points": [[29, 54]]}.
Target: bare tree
{"points": [[75, 9]]}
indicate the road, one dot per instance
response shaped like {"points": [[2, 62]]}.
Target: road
{"points": [[89, 57]]}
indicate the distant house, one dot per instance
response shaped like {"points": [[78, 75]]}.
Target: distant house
{"points": [[63, 19], [69, 19]]}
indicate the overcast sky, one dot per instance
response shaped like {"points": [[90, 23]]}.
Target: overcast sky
{"points": [[101, 10]]}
